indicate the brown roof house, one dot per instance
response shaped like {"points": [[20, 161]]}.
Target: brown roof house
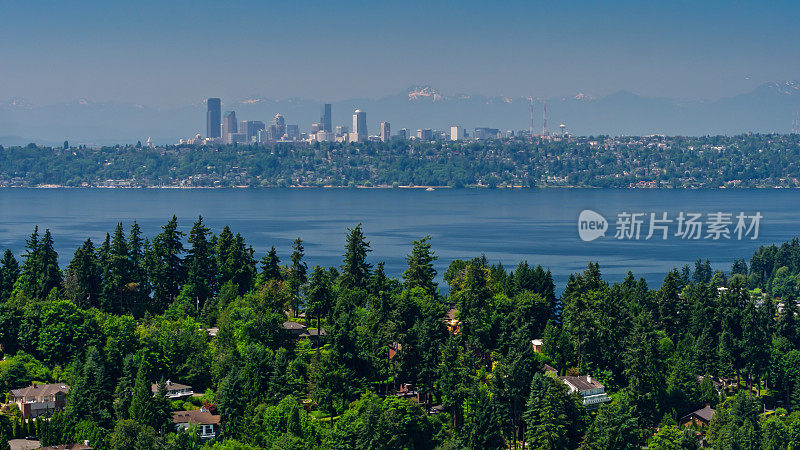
{"points": [[174, 390], [592, 391], [699, 418], [38, 399], [207, 423]]}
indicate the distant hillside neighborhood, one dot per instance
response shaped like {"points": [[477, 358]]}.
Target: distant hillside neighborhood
{"points": [[513, 161]]}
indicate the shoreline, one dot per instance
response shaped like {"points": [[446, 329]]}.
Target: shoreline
{"points": [[408, 187]]}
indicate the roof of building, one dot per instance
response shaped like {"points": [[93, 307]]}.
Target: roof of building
{"points": [[38, 390], [549, 368], [536, 342], [704, 414], [583, 383], [293, 326], [171, 386], [198, 416]]}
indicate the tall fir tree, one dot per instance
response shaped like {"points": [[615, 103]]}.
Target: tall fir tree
{"points": [[200, 264], [83, 277], [355, 269], [9, 272], [165, 265], [270, 266], [420, 272]]}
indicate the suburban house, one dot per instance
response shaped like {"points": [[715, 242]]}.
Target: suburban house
{"points": [[699, 418], [38, 399], [592, 391], [294, 329], [207, 423], [174, 390], [298, 330]]}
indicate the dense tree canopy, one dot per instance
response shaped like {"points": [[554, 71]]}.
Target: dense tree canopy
{"points": [[388, 363]]}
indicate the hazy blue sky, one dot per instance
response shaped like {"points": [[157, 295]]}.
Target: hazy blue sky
{"points": [[167, 53]]}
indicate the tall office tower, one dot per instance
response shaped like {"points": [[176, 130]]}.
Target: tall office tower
{"points": [[341, 130], [457, 133], [280, 126], [213, 117], [425, 134], [293, 132], [386, 129], [251, 129], [403, 134], [360, 126], [229, 126], [264, 136], [325, 118]]}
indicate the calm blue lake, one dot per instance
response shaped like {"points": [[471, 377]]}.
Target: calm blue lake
{"points": [[539, 226]]}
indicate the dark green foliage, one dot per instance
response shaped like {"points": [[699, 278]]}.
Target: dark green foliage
{"points": [[355, 269], [129, 313]]}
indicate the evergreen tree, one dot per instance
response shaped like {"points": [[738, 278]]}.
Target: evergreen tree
{"points": [[355, 269], [49, 273], [139, 286], [297, 273], [484, 428], [117, 274], [165, 264], [615, 426], [90, 395], [9, 272], [420, 272], [141, 410], [31, 263], [200, 265], [270, 266], [82, 279], [550, 414]]}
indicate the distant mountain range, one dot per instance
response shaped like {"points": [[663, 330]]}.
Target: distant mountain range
{"points": [[769, 108]]}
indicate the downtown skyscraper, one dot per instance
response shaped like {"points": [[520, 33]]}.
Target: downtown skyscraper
{"points": [[325, 118], [213, 117]]}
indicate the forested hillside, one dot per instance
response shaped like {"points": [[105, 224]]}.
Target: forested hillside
{"points": [[758, 160], [285, 356]]}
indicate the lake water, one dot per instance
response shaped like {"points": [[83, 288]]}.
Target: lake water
{"points": [[539, 226]]}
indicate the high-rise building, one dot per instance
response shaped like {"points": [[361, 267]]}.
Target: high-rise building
{"points": [[213, 117], [293, 132], [251, 129], [456, 133], [229, 126], [325, 118], [265, 136], [425, 134], [341, 130], [486, 133], [280, 126], [386, 129], [359, 126]]}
